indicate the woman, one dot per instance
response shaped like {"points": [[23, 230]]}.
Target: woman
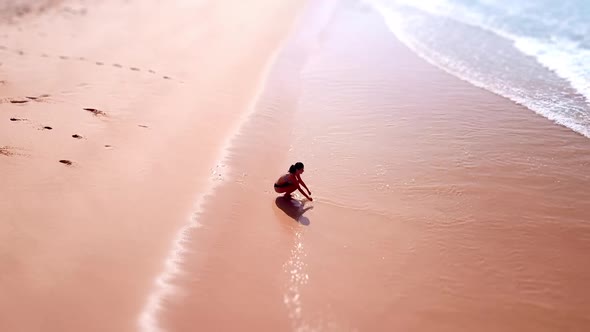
{"points": [[289, 182]]}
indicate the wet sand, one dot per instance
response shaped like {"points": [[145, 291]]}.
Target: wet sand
{"points": [[438, 206]]}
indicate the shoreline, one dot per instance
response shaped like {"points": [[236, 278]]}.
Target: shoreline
{"points": [[137, 165], [575, 99], [437, 204], [403, 232], [163, 287]]}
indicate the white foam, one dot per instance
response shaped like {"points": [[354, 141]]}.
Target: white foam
{"points": [[163, 286], [400, 26], [564, 57]]}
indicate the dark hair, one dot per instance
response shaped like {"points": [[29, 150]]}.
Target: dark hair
{"points": [[293, 168]]}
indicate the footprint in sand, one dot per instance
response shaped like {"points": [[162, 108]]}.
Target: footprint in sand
{"points": [[6, 151], [10, 151], [66, 162], [18, 101], [17, 119], [76, 136], [95, 111], [143, 126], [46, 128], [98, 63], [24, 100]]}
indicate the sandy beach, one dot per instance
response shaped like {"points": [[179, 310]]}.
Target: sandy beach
{"points": [[139, 142], [83, 243]]}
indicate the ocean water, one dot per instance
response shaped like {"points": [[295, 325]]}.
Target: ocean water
{"points": [[534, 52]]}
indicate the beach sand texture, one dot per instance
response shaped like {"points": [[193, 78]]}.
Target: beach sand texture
{"points": [[139, 141]]}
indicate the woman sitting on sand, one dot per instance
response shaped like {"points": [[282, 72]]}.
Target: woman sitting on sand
{"points": [[289, 182]]}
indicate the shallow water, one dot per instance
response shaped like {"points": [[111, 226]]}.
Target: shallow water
{"points": [[438, 206], [536, 53]]}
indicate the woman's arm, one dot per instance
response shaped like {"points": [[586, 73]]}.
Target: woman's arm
{"points": [[304, 194], [303, 183]]}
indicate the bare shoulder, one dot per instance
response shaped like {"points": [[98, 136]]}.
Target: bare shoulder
{"points": [[284, 178]]}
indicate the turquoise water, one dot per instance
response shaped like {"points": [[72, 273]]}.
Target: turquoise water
{"points": [[536, 53]]}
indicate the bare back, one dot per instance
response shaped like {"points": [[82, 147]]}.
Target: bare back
{"points": [[287, 178]]}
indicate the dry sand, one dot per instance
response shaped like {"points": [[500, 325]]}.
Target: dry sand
{"points": [[438, 206]]}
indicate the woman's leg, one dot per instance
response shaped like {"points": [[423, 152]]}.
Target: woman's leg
{"points": [[286, 190], [290, 189]]}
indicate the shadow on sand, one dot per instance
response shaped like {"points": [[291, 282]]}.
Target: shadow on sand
{"points": [[294, 209]]}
